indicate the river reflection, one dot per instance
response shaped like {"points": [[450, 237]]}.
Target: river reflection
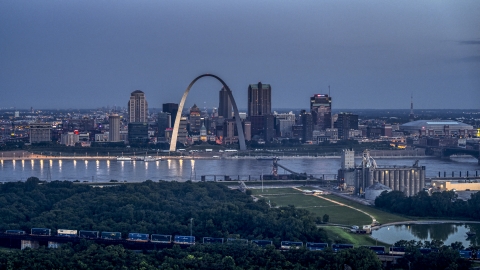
{"points": [[446, 232]]}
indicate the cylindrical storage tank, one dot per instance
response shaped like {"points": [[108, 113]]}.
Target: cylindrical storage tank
{"points": [[422, 178], [417, 181], [370, 177], [407, 183], [389, 176], [373, 191], [396, 180], [401, 187], [412, 182]]}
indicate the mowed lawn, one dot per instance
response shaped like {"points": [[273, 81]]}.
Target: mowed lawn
{"points": [[341, 235], [272, 191], [337, 214], [381, 216]]}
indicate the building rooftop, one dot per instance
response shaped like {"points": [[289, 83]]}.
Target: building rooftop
{"points": [[435, 123]]}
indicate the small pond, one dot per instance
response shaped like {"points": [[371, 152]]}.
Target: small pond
{"points": [[427, 231]]}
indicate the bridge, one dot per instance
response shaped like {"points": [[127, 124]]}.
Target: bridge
{"points": [[446, 152]]}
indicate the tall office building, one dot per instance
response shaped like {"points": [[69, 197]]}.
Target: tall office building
{"points": [[137, 107], [259, 99], [163, 122], [345, 122], [321, 109], [225, 105], [195, 119], [40, 132], [114, 123], [171, 108], [307, 131]]}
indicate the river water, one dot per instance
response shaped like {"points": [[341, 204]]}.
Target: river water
{"points": [[182, 170], [446, 232]]}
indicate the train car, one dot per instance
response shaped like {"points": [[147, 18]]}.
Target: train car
{"points": [[111, 235], [465, 254], [212, 240], [262, 243], [41, 232], [184, 240], [66, 233], [161, 238], [397, 251], [88, 234], [290, 245], [17, 232], [379, 250], [316, 246], [237, 241], [138, 237], [339, 247]]}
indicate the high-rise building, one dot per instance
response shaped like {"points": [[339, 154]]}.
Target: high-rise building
{"points": [[138, 133], [163, 122], [259, 99], [225, 105], [182, 136], [137, 107], [114, 123], [346, 122], [195, 119], [171, 108], [307, 126], [40, 132], [321, 109]]}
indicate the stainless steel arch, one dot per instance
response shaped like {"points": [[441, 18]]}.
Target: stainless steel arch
{"points": [[241, 135]]}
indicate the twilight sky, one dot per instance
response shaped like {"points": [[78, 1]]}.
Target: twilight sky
{"points": [[373, 54]]}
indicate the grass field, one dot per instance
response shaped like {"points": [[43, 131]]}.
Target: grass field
{"points": [[338, 214], [381, 216], [273, 191], [340, 235]]}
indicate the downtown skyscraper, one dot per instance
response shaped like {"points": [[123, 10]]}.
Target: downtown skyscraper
{"points": [[137, 107], [259, 99], [321, 109], [225, 105]]}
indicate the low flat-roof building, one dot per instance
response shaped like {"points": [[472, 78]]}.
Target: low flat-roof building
{"points": [[437, 128]]}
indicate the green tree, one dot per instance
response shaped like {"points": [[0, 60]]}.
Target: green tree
{"points": [[325, 218]]}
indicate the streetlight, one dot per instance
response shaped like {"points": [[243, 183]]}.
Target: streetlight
{"points": [[191, 225]]}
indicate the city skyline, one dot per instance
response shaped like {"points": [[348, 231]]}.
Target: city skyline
{"points": [[373, 54]]}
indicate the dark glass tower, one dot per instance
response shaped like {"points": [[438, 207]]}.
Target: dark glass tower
{"points": [[259, 99], [321, 109], [225, 105]]}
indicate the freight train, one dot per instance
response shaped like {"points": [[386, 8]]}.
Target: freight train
{"points": [[190, 240]]}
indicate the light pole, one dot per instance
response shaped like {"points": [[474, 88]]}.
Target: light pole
{"points": [[262, 180], [191, 225]]}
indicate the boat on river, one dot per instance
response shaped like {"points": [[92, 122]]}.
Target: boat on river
{"points": [[149, 158], [122, 158], [267, 158]]}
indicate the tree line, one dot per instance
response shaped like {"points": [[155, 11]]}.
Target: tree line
{"points": [[153, 207], [439, 204], [87, 255]]}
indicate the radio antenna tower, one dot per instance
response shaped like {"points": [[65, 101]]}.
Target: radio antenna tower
{"points": [[412, 116]]}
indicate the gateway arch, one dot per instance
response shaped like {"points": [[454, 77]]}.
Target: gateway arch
{"points": [[241, 135]]}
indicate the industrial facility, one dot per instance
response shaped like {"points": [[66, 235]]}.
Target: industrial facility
{"points": [[367, 175]]}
